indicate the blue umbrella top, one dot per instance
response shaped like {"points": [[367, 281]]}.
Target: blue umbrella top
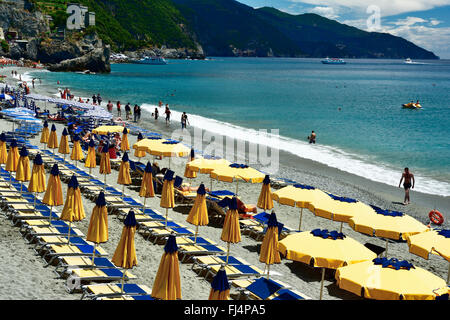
{"points": [[23, 152], [220, 281], [65, 133], [125, 130], [45, 124], [272, 222], [140, 136], [148, 167], [393, 263], [171, 245], [73, 183], [105, 147], [13, 143], [201, 189], [38, 160], [53, 127], [125, 157], [130, 220], [169, 175], [55, 170], [91, 143], [266, 179], [101, 201], [3, 137], [76, 138]]}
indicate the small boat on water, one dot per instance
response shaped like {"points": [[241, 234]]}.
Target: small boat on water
{"points": [[412, 105], [333, 61], [408, 60], [151, 60]]}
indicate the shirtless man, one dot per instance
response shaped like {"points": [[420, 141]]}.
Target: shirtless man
{"points": [[407, 176], [312, 137]]}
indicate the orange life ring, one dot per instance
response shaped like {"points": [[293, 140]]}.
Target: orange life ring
{"points": [[436, 217]]}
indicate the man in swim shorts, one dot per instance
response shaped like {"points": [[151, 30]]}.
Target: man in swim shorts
{"points": [[407, 177]]}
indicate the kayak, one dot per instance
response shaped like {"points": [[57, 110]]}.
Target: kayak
{"points": [[412, 105]]}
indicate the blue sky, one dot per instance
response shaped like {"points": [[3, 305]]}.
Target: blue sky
{"points": [[424, 22]]}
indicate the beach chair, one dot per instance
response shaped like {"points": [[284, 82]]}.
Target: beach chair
{"points": [[94, 291], [50, 252], [79, 277], [259, 289], [66, 263], [188, 251], [201, 263], [159, 235], [41, 212], [127, 297], [235, 271], [32, 232], [41, 241], [198, 240], [288, 294]]}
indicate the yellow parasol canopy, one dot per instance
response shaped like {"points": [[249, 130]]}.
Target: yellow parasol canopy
{"points": [[220, 288], [265, 197], [45, 133], [98, 225], [137, 153], [23, 172], [91, 160], [147, 190], [207, 165], [167, 193], [37, 181], [167, 285], [3, 151], [125, 145], [198, 215], [124, 176], [53, 138], [77, 152], [64, 143], [53, 194], [389, 279], [161, 147], [105, 162], [269, 248], [231, 230], [104, 130], [125, 254], [12, 159], [73, 209]]}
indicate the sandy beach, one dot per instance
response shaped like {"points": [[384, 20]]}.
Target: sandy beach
{"points": [[23, 276]]}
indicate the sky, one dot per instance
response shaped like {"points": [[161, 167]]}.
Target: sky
{"points": [[423, 22]]}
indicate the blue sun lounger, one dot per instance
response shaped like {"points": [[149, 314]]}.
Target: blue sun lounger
{"points": [[95, 291]]}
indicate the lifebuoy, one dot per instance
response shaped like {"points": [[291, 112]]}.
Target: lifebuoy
{"points": [[436, 217]]}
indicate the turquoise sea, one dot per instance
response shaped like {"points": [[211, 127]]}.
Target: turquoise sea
{"points": [[371, 135]]}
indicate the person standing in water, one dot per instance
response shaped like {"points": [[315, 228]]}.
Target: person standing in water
{"points": [[184, 119], [167, 112], [312, 137], [156, 113], [407, 177], [119, 113]]}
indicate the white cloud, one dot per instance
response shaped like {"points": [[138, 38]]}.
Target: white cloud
{"points": [[388, 7], [327, 12], [434, 22]]}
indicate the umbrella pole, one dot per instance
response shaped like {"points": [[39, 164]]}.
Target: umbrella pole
{"points": [[143, 207], [34, 204], [123, 279], [68, 237], [321, 285], [228, 251], [196, 232], [211, 189], [169, 162], [301, 216], [268, 268], [21, 186], [123, 190], [386, 252], [51, 210], [237, 186], [167, 213], [93, 253], [341, 227]]}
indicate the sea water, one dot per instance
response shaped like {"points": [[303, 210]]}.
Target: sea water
{"points": [[355, 109]]}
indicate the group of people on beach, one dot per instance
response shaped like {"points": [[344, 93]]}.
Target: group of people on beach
{"points": [[167, 112], [136, 110]]}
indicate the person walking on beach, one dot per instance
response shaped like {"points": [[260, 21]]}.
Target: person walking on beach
{"points": [[135, 112], [127, 110], [312, 137], [156, 113], [109, 106], [94, 99], [99, 99], [119, 113], [167, 112], [407, 177], [184, 119]]}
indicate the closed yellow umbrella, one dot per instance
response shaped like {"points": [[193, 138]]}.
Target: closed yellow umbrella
{"points": [[3, 151], [23, 167], [105, 130], [64, 144], [105, 162], [124, 177], [167, 285], [91, 160], [53, 195], [431, 241], [12, 160], [125, 145], [269, 248], [188, 172], [45, 133], [265, 197], [125, 254], [77, 152], [139, 153], [231, 231], [147, 190], [387, 224], [220, 287], [198, 215], [236, 172], [300, 196], [53, 139], [98, 225], [37, 182], [73, 209], [324, 249], [167, 193], [389, 279]]}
